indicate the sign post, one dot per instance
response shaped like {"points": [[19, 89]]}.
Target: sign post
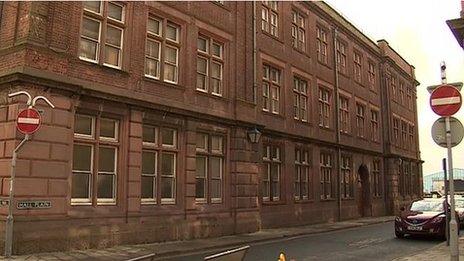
{"points": [[445, 101], [27, 122]]}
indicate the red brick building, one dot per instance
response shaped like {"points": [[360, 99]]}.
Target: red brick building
{"points": [[155, 106]]}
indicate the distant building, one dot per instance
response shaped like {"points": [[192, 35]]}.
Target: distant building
{"points": [[434, 181]]}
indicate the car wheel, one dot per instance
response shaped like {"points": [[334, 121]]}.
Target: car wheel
{"points": [[399, 235]]}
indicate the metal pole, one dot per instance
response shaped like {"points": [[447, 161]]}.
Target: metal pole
{"points": [[9, 219], [447, 213], [453, 224]]}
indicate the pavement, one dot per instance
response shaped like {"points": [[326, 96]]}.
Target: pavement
{"points": [[440, 252], [169, 249]]}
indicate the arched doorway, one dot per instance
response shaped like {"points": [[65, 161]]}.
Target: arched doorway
{"points": [[364, 192]]}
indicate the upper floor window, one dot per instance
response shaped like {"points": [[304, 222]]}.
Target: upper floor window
{"points": [[346, 178], [396, 124], [210, 64], [162, 50], [341, 56], [300, 99], [102, 32], [404, 133], [326, 190], [360, 116], [269, 17], [303, 180], [271, 180], [271, 89], [411, 135], [298, 31], [357, 67], [371, 75], [344, 115], [393, 88], [159, 165], [401, 93], [95, 160], [409, 98], [324, 108], [321, 45], [209, 168], [375, 125]]}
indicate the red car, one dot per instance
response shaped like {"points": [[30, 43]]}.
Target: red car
{"points": [[423, 217]]}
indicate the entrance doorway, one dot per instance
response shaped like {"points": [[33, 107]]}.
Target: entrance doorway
{"points": [[364, 192]]}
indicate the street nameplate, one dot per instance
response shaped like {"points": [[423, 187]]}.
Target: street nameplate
{"points": [[34, 204]]}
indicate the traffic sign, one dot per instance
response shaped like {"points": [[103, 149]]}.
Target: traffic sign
{"points": [[439, 132], [445, 100], [28, 121]]}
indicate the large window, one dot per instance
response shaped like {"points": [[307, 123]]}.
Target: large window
{"points": [[393, 88], [401, 93], [95, 160], [346, 178], [298, 31], [411, 136], [377, 184], [162, 50], [102, 32], [404, 134], [371, 75], [344, 115], [321, 44], [270, 17], [375, 125], [210, 65], [326, 176], [360, 117], [341, 56], [271, 180], [409, 97], [324, 108], [303, 179], [159, 165], [357, 67], [300, 99], [396, 131], [271, 89], [209, 168]]}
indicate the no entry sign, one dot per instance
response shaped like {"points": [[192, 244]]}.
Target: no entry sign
{"points": [[28, 121], [445, 100]]}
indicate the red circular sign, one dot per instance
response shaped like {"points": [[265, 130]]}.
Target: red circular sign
{"points": [[445, 100], [28, 121]]}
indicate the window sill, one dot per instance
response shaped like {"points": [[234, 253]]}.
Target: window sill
{"points": [[348, 199], [104, 66], [303, 201], [327, 199], [325, 128], [210, 95], [273, 114], [223, 5], [163, 83], [305, 53], [348, 134], [326, 65], [307, 123], [272, 36], [272, 203]]}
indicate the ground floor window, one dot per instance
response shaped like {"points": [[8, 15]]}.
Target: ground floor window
{"points": [[302, 180], [326, 191], [271, 180]]}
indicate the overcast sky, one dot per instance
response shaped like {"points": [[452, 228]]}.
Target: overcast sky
{"points": [[417, 30]]}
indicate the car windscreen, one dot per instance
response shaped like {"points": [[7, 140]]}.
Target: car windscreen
{"points": [[427, 206]]}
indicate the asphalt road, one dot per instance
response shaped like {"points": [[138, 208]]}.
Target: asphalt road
{"points": [[373, 242]]}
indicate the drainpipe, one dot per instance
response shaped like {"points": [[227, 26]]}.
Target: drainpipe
{"points": [[337, 125], [254, 54]]}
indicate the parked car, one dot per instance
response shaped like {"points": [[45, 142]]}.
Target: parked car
{"points": [[459, 207], [422, 217]]}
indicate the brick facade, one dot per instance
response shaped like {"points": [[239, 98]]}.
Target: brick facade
{"points": [[260, 184]]}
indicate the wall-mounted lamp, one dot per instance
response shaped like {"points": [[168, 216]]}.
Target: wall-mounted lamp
{"points": [[254, 135]]}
